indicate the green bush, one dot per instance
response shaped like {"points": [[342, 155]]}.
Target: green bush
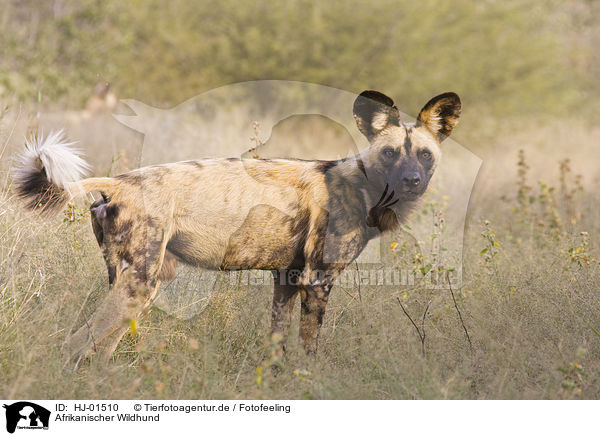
{"points": [[503, 56]]}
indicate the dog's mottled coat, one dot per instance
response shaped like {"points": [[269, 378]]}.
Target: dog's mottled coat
{"points": [[276, 214]]}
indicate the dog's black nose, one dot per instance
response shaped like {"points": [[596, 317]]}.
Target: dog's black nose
{"points": [[412, 179]]}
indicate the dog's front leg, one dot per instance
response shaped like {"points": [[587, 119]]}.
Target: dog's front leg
{"points": [[314, 299], [284, 297]]}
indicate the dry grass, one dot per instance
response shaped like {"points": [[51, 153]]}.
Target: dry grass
{"points": [[530, 301]]}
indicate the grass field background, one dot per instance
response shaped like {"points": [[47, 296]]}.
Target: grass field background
{"points": [[527, 75]]}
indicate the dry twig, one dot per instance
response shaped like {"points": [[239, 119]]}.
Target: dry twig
{"points": [[458, 311], [420, 332]]}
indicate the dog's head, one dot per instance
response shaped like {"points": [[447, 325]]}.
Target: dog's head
{"points": [[402, 157]]}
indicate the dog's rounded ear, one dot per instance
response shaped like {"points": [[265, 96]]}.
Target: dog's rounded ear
{"points": [[441, 114], [373, 112]]}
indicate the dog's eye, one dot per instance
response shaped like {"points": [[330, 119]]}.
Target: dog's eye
{"points": [[426, 155], [389, 152]]}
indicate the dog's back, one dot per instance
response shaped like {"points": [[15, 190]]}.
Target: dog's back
{"points": [[229, 213]]}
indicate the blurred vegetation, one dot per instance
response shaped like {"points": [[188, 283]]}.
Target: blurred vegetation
{"points": [[515, 56], [529, 300], [531, 254]]}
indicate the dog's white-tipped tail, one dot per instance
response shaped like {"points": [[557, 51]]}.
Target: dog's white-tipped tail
{"points": [[45, 169]]}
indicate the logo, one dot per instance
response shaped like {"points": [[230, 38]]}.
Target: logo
{"points": [[26, 415]]}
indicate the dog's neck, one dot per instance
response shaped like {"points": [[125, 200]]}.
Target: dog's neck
{"points": [[368, 209]]}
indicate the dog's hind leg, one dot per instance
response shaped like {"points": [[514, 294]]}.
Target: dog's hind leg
{"points": [[134, 249], [125, 302], [103, 331], [108, 346], [98, 218]]}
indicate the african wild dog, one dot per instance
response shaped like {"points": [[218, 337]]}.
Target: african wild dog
{"points": [[270, 214]]}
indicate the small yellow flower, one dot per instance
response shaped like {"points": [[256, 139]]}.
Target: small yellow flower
{"points": [[133, 327], [394, 245]]}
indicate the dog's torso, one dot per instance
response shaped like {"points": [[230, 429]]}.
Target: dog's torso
{"points": [[259, 216]]}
